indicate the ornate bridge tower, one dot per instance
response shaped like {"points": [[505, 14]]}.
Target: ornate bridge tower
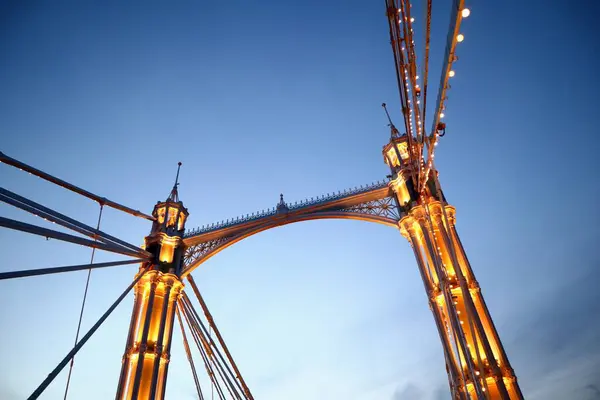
{"points": [[476, 363], [412, 201], [146, 359]]}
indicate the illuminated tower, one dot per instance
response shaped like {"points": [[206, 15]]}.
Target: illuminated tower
{"points": [[146, 359], [476, 363]]}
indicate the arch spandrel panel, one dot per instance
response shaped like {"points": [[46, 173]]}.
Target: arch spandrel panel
{"points": [[372, 206]]}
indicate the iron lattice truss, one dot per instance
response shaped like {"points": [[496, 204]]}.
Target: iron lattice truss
{"points": [[196, 252], [385, 207], [373, 202], [298, 205]]}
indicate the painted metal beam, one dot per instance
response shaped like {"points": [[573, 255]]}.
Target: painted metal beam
{"points": [[49, 233], [63, 220], [70, 268], [40, 389], [211, 322], [41, 174]]}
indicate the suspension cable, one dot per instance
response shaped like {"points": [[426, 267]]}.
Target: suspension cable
{"points": [[189, 355], [425, 69], [456, 17], [401, 39], [40, 389], [41, 174], [211, 343], [85, 292], [212, 326], [212, 387], [207, 364], [222, 367]]}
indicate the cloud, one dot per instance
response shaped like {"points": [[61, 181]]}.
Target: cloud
{"points": [[408, 392], [442, 393], [556, 353], [412, 391], [594, 390]]}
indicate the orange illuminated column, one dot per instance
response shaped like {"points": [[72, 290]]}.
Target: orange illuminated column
{"points": [[147, 355], [147, 351], [477, 365]]}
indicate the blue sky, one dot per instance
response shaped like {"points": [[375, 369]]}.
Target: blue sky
{"points": [[262, 98]]}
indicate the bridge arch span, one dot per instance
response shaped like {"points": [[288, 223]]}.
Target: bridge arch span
{"points": [[199, 253]]}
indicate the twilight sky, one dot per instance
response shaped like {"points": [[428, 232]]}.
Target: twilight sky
{"points": [[267, 97]]}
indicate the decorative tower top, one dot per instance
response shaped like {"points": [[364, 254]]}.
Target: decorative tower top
{"points": [[282, 206], [165, 239], [174, 196], [170, 214], [396, 153], [394, 132]]}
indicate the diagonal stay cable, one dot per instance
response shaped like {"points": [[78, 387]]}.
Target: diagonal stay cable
{"points": [[40, 389], [61, 219], [186, 346], [49, 233], [41, 174], [207, 364], [210, 342], [213, 325], [85, 292], [70, 268], [210, 349], [193, 316]]}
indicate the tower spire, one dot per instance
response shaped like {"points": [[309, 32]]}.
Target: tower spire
{"points": [[394, 132], [174, 196]]}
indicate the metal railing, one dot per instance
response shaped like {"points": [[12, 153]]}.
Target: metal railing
{"points": [[282, 207]]}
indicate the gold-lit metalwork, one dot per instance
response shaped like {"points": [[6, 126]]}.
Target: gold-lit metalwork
{"points": [[411, 200], [147, 355]]}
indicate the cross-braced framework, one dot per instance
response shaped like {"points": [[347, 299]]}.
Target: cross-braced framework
{"points": [[410, 200]]}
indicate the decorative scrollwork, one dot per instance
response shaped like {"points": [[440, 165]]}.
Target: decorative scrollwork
{"points": [[193, 253], [288, 207], [385, 207]]}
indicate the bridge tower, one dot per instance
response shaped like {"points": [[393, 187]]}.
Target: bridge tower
{"points": [[476, 362], [146, 360]]}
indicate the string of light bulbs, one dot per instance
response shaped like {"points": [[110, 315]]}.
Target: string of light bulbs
{"points": [[454, 37]]}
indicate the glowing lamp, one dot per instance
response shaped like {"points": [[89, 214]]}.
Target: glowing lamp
{"points": [[396, 152]]}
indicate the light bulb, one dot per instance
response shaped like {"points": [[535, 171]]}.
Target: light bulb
{"points": [[442, 115], [412, 20], [460, 37], [465, 12], [451, 74]]}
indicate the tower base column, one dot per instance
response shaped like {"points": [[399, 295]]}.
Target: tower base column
{"points": [[143, 374]]}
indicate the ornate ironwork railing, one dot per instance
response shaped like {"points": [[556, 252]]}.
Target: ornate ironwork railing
{"points": [[283, 207]]}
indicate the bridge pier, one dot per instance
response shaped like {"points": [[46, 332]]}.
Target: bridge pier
{"points": [[476, 362], [147, 350], [147, 354]]}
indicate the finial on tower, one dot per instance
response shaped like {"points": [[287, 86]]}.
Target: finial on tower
{"points": [[174, 196], [394, 132], [282, 207]]}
